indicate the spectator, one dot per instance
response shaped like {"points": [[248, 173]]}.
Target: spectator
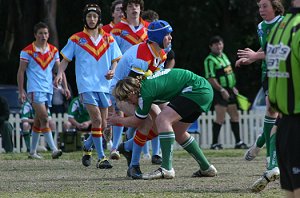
{"points": [[5, 127], [220, 74]]}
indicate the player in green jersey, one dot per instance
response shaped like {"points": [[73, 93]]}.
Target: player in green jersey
{"points": [[188, 95], [271, 11], [283, 64]]}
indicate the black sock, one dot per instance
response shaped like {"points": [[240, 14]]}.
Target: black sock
{"points": [[216, 132], [235, 127]]}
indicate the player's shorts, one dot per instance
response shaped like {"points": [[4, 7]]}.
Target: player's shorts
{"points": [[288, 155], [40, 98], [218, 99], [186, 108], [98, 99]]}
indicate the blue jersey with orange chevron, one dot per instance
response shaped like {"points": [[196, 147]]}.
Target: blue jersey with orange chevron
{"points": [[139, 58], [92, 61], [128, 35], [39, 68]]}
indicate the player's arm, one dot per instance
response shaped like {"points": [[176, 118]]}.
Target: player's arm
{"points": [[20, 78], [248, 56], [130, 121], [61, 68]]}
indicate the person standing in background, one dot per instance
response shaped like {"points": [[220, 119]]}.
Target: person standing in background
{"points": [[219, 73], [116, 13]]}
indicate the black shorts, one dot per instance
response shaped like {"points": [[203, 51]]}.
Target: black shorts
{"points": [[218, 99], [288, 155], [186, 108]]}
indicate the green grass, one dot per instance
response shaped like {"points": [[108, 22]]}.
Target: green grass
{"points": [[66, 177]]}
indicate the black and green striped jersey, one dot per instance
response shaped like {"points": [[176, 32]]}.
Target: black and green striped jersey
{"points": [[283, 64], [219, 67], [263, 30]]}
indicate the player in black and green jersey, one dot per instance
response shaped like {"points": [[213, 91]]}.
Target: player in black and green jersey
{"points": [[188, 95], [219, 73], [271, 11], [283, 64]]}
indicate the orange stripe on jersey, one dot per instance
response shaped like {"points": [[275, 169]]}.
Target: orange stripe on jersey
{"points": [[83, 40], [145, 54], [43, 60], [123, 30]]}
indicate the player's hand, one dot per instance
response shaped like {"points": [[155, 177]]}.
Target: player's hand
{"points": [[67, 93], [110, 74], [58, 80], [242, 61], [225, 95], [113, 119], [22, 97]]}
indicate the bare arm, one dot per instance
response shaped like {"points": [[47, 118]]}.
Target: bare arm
{"points": [[20, 78], [131, 121], [216, 85], [61, 68], [248, 56], [111, 72]]}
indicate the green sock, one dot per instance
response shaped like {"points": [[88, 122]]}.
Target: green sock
{"points": [[26, 136], [167, 140], [268, 124], [273, 156], [191, 146], [261, 141]]}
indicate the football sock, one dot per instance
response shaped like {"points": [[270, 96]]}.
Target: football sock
{"points": [[167, 140], [235, 127], [268, 124], [155, 146], [88, 142], [35, 139], [191, 146], [146, 148], [97, 140], [49, 139], [261, 140], [128, 145], [117, 134], [130, 133], [26, 136], [216, 132], [139, 141], [273, 156]]}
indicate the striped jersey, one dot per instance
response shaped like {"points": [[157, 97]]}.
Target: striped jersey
{"points": [[141, 57], [128, 35], [92, 61], [108, 27], [283, 64], [263, 30], [219, 67], [39, 69]]}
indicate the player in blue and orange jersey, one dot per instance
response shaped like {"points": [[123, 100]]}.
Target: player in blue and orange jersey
{"points": [[38, 60], [142, 59], [132, 29], [116, 13], [96, 54]]}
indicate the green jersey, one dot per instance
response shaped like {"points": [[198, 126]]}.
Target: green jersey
{"points": [[263, 31], [283, 63], [77, 111], [219, 67], [166, 84]]}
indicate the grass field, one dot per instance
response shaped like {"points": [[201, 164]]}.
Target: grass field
{"points": [[66, 177]]}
